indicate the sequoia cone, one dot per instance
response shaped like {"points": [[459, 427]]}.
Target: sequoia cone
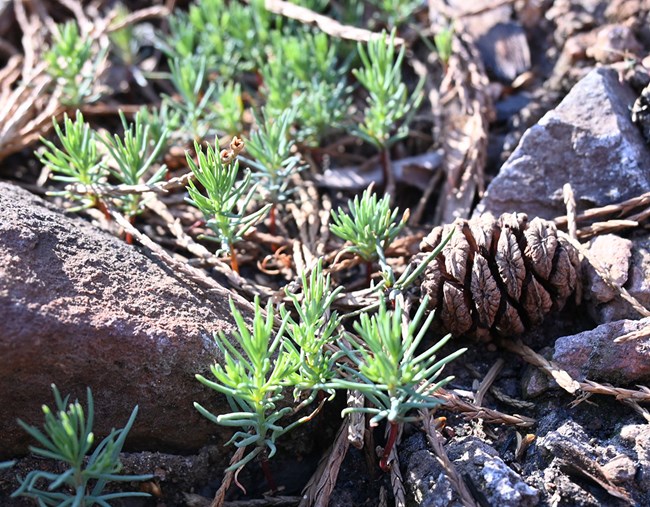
{"points": [[497, 277]]}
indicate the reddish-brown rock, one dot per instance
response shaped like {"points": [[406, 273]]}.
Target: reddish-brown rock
{"points": [[80, 308], [595, 356]]}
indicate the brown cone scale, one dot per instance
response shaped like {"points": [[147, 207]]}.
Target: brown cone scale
{"points": [[498, 276]]}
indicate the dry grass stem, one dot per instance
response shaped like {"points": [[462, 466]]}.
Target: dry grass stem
{"points": [[228, 477], [619, 217], [621, 209], [163, 187], [487, 381], [643, 332], [326, 24], [564, 380], [156, 11], [454, 403], [318, 490], [357, 420], [570, 203], [435, 443], [509, 400], [383, 497], [587, 386], [638, 409], [640, 396], [396, 480]]}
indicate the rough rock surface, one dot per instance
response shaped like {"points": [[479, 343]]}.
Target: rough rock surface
{"points": [[428, 485], [594, 355], [499, 484], [588, 138], [571, 452], [82, 308], [638, 435], [612, 253], [425, 481], [627, 262]]}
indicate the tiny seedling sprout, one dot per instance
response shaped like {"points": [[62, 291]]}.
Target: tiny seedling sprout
{"points": [[389, 371], [68, 437], [370, 226], [226, 198]]}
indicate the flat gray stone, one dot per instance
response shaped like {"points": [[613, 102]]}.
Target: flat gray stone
{"points": [[589, 141]]}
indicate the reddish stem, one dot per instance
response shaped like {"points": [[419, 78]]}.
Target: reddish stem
{"points": [[128, 237], [101, 206], [233, 260], [390, 443], [198, 223], [272, 226], [266, 470]]}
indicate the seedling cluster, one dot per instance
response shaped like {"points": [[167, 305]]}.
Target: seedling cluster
{"points": [[249, 100], [314, 354]]}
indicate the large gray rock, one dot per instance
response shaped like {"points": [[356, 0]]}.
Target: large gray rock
{"points": [[82, 308], [588, 141]]}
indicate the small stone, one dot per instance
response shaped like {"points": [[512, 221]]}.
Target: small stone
{"points": [[425, 481], [499, 484], [569, 442], [593, 354], [620, 469], [613, 44], [627, 263], [534, 383], [639, 435], [612, 253]]}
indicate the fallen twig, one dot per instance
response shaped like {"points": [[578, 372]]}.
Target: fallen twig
{"points": [[454, 403], [326, 24], [318, 490], [452, 474], [571, 385]]}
